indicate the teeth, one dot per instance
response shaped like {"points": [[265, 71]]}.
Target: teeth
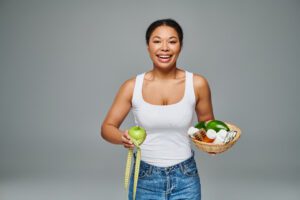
{"points": [[164, 56]]}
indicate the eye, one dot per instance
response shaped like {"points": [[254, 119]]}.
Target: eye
{"points": [[156, 41], [173, 42]]}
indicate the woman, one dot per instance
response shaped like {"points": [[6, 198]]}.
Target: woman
{"points": [[163, 101]]}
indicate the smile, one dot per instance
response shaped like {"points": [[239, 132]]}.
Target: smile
{"points": [[164, 58]]}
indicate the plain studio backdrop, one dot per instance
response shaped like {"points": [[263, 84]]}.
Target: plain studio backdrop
{"points": [[62, 62]]}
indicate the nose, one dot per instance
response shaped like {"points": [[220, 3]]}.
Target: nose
{"points": [[165, 46]]}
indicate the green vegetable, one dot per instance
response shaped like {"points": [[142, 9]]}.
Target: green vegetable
{"points": [[200, 125], [217, 125]]}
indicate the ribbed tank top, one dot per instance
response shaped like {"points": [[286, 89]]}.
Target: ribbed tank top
{"points": [[167, 142]]}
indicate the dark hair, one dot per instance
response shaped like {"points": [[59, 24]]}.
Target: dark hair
{"points": [[165, 22]]}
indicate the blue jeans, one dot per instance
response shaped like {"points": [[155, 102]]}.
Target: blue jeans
{"points": [[180, 181]]}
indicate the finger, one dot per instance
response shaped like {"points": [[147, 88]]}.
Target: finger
{"points": [[128, 146], [126, 134], [125, 140]]}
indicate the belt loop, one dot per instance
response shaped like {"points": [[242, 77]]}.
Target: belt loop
{"points": [[150, 169], [181, 165]]}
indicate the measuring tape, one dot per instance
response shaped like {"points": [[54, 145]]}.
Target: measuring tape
{"points": [[137, 166]]}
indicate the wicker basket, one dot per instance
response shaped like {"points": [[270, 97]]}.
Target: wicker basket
{"points": [[218, 148]]}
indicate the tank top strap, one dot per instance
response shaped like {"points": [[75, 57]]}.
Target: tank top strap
{"points": [[190, 94], [137, 92]]}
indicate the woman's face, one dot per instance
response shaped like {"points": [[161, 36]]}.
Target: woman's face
{"points": [[164, 47]]}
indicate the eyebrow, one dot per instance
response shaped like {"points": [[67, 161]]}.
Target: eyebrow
{"points": [[169, 38]]}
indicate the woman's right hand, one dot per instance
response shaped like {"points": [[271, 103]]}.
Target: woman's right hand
{"points": [[126, 140]]}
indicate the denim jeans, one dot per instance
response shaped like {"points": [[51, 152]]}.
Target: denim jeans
{"points": [[180, 181]]}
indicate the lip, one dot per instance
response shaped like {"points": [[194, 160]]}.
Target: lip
{"points": [[167, 58]]}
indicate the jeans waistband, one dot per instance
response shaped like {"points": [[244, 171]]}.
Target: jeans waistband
{"points": [[179, 165]]}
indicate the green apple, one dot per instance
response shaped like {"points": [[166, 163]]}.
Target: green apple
{"points": [[137, 133]]}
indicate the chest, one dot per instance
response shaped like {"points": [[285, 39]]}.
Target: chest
{"points": [[163, 92]]}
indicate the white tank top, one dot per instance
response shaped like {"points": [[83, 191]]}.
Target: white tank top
{"points": [[167, 142]]}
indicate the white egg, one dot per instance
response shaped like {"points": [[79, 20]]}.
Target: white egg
{"points": [[210, 133], [218, 140], [192, 130], [222, 133]]}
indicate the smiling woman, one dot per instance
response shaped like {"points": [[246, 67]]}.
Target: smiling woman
{"points": [[164, 47], [163, 101], [164, 40]]}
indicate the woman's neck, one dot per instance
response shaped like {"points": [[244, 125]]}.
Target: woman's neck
{"points": [[167, 74]]}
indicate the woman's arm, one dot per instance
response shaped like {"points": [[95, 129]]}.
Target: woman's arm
{"points": [[203, 108], [116, 115]]}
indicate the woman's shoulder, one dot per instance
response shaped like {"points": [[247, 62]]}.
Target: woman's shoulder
{"points": [[199, 81], [126, 89], [128, 85], [201, 86]]}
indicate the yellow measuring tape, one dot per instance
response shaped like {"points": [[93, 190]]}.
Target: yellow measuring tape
{"points": [[137, 166]]}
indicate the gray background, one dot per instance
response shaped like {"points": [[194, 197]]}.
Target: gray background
{"points": [[62, 63]]}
